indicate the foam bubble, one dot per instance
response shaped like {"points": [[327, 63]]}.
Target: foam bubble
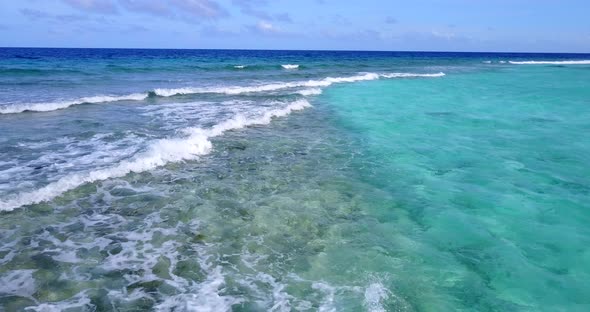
{"points": [[51, 106], [582, 62], [206, 298], [195, 143], [18, 282], [290, 66], [375, 294]]}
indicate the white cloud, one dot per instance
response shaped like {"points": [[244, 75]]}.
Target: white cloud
{"points": [[266, 27]]}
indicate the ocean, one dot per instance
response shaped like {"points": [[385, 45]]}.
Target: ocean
{"points": [[229, 180]]}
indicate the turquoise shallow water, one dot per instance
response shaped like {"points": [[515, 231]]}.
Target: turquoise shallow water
{"points": [[490, 171], [173, 181]]}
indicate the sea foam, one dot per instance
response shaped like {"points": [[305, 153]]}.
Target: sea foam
{"points": [[193, 144], [51, 106], [308, 92], [375, 294], [582, 62], [18, 282]]}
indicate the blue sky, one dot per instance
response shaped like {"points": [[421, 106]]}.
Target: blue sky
{"points": [[425, 25]]}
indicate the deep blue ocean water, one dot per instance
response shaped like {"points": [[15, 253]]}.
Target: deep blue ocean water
{"points": [[218, 180]]}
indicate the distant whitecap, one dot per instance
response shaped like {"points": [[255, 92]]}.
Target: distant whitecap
{"points": [[290, 66]]}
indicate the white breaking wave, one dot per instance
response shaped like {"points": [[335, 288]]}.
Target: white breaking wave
{"points": [[308, 92], [51, 106], [240, 66], [583, 62], [290, 66], [288, 85], [266, 88], [195, 143]]}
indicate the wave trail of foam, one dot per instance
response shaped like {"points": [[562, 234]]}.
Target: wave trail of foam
{"points": [[290, 66], [51, 106], [160, 152], [289, 85], [582, 62], [412, 75]]}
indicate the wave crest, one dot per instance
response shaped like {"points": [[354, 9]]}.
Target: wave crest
{"points": [[290, 66], [51, 106], [288, 85]]}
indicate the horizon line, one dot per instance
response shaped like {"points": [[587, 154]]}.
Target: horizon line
{"points": [[294, 50]]}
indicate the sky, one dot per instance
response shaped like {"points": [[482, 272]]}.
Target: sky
{"points": [[386, 25]]}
